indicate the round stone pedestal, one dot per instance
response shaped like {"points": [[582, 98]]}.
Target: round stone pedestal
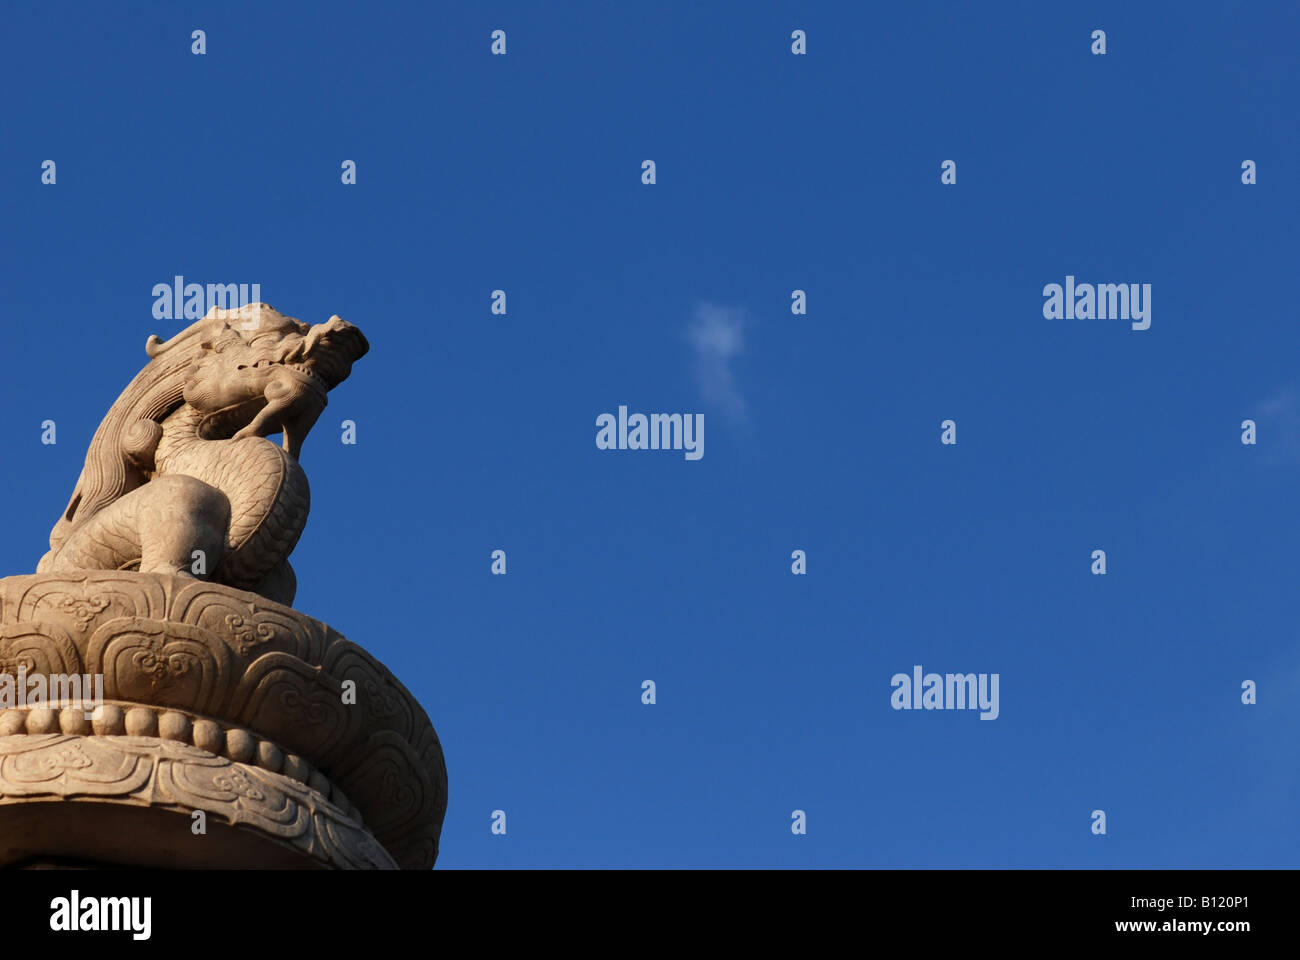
{"points": [[214, 729]]}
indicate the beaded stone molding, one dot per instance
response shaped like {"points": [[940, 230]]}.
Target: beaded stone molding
{"points": [[204, 683]]}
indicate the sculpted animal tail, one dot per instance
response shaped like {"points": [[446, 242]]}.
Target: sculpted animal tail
{"points": [[120, 457], [269, 501]]}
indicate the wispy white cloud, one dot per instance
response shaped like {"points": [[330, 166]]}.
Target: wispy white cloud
{"points": [[717, 337], [1282, 401], [1279, 415]]}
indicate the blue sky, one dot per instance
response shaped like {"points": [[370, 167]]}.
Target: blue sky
{"points": [[775, 172]]}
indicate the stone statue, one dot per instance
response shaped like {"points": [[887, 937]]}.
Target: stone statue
{"points": [[179, 477], [161, 705]]}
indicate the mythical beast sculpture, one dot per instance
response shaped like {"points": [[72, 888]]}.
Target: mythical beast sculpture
{"points": [[181, 462]]}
